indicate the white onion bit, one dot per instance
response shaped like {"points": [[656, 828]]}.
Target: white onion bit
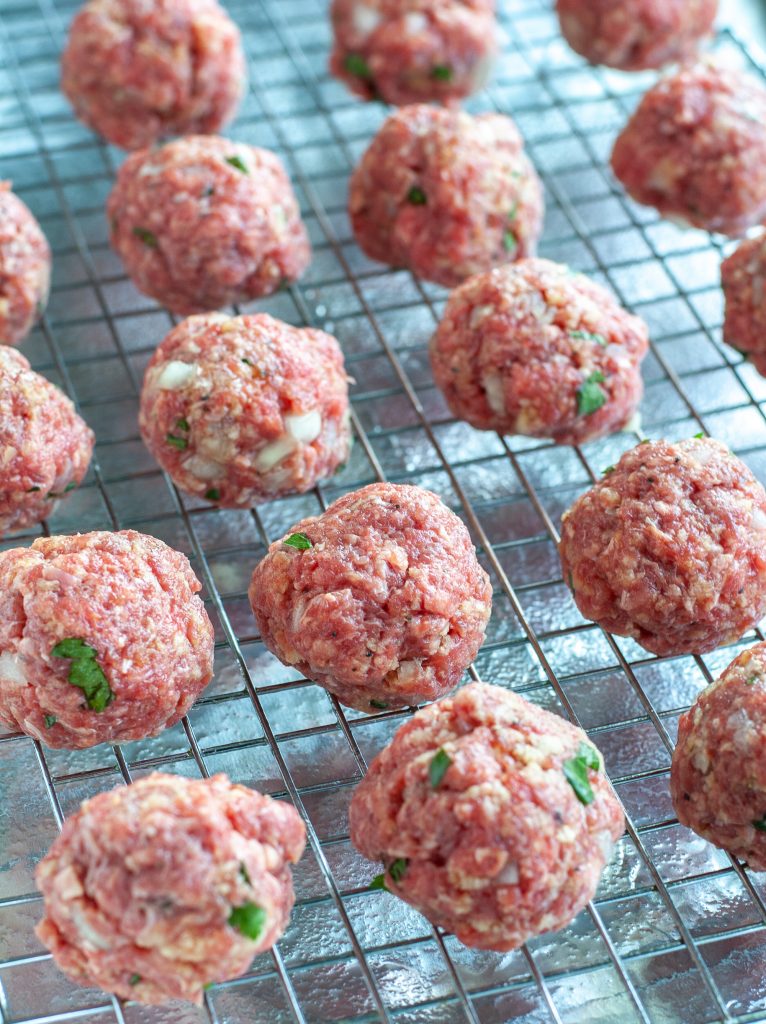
{"points": [[304, 428]]}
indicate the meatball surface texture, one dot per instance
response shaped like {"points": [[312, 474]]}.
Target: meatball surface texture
{"points": [[380, 599], [743, 278], [25, 268], [493, 817]]}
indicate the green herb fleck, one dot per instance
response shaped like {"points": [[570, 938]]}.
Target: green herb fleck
{"points": [[358, 66], [31, 490], [589, 336], [698, 436], [576, 771], [510, 244], [50, 721], [245, 873], [209, 191], [238, 162], [248, 919], [398, 869], [246, 361], [379, 882], [441, 73], [607, 471], [60, 494], [590, 396], [761, 824], [752, 680], [134, 979], [177, 442], [299, 541], [183, 424], [213, 494], [417, 196], [381, 705], [645, 440], [85, 672], [207, 986], [147, 237], [437, 769]]}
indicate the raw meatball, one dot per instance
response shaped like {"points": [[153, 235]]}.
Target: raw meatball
{"points": [[411, 51], [718, 777], [244, 409], [25, 268], [695, 149], [670, 547], [103, 638], [446, 194], [137, 71], [380, 599], [492, 817], [154, 890], [534, 349], [635, 34], [743, 277], [46, 447], [204, 222]]}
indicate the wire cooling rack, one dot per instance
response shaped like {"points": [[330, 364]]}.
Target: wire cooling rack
{"points": [[676, 934]]}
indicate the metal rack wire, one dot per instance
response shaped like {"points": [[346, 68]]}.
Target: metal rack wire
{"points": [[677, 932]]}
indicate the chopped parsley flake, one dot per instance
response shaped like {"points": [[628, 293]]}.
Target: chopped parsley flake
{"points": [[85, 672], [381, 705], [60, 494], [183, 424], [134, 979], [398, 869], [299, 541], [510, 243], [248, 919], [698, 436], [31, 490], [590, 396], [752, 680], [245, 873], [437, 769], [238, 163], [207, 986], [177, 442], [761, 824], [358, 66], [50, 721], [589, 336], [576, 771], [441, 73], [417, 196], [607, 471], [213, 494], [147, 237], [379, 882], [246, 361]]}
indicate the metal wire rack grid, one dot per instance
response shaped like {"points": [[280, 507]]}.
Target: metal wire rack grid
{"points": [[676, 933]]}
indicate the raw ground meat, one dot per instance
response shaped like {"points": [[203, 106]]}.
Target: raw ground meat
{"points": [[446, 194], [45, 447], [138, 71], [718, 776], [203, 222], [635, 34], [25, 268], [535, 349], [670, 547], [154, 890], [383, 602], [695, 148], [472, 811], [413, 51], [103, 638], [743, 278], [243, 409]]}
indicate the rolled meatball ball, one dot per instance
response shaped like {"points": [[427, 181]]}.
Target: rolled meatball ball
{"points": [[103, 638], [137, 71], [695, 149], [25, 268], [46, 446], [204, 222], [718, 775], [155, 890], [446, 194], [534, 349], [633, 35], [492, 817], [380, 599], [743, 278], [243, 409], [413, 51], [669, 548]]}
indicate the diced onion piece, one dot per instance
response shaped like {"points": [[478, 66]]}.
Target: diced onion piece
{"points": [[493, 388], [509, 875], [10, 668], [202, 468], [305, 428], [415, 23], [273, 453], [176, 374], [366, 20]]}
